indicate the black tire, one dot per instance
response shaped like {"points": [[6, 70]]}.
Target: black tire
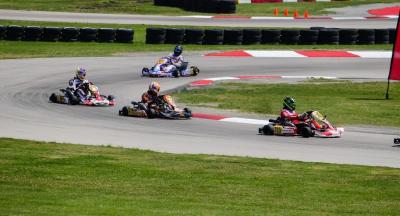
{"points": [[381, 36], [3, 30], [271, 36], [348, 36], [110, 97], [161, 2], [306, 132], [51, 34], [33, 33], [392, 35], [106, 35], [194, 36], [155, 35], [268, 129], [124, 111], [14, 32], [213, 37], [308, 36], [252, 36], [69, 34], [174, 36], [366, 36], [317, 28], [290, 36], [189, 5], [124, 35], [87, 34], [53, 98], [226, 6], [200, 6], [233, 36], [211, 6], [328, 36]]}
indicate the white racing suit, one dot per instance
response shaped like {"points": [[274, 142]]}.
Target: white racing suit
{"points": [[177, 63], [77, 88]]}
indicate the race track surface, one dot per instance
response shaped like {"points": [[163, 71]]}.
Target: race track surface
{"points": [[26, 113], [192, 21]]}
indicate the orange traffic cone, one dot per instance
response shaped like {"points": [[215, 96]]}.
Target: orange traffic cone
{"points": [[276, 12], [286, 12], [306, 14], [295, 14]]}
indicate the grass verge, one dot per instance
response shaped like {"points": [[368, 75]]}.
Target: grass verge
{"points": [[26, 49], [51, 179], [343, 102], [147, 7]]}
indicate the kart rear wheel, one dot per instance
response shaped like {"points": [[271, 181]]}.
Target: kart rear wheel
{"points": [[145, 71], [306, 132], [124, 111], [53, 98], [268, 129]]}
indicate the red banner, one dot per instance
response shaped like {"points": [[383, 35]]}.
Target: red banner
{"points": [[394, 73]]}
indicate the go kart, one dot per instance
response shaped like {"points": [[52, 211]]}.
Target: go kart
{"points": [[160, 68], [313, 124], [94, 98], [164, 107]]}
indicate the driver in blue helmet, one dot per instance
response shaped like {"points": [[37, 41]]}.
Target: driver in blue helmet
{"points": [[79, 84]]}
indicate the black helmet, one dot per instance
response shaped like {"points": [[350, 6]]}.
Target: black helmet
{"points": [[289, 103], [178, 50]]}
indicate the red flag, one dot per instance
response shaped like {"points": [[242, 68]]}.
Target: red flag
{"points": [[394, 73]]}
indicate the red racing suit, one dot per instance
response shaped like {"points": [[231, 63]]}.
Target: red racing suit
{"points": [[290, 115]]}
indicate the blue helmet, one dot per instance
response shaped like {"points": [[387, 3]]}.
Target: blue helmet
{"points": [[81, 73], [178, 50]]}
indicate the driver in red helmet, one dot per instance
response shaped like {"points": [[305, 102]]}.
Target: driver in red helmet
{"points": [[151, 94]]}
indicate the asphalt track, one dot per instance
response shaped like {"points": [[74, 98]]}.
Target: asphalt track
{"points": [[26, 113], [191, 21]]}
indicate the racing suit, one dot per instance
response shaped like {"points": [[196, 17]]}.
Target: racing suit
{"points": [[290, 116], [177, 63], [78, 87], [148, 98]]}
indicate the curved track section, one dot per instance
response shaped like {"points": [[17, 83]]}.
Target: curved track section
{"points": [[191, 21], [26, 113]]}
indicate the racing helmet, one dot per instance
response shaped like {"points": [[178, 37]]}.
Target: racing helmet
{"points": [[154, 88], [289, 103], [81, 73], [178, 50]]}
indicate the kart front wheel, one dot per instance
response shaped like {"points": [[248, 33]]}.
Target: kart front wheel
{"points": [[194, 70]]}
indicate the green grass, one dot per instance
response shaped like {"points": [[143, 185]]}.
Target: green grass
{"points": [[343, 102], [52, 179], [147, 7], [26, 49]]}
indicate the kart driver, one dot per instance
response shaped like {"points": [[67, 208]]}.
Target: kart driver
{"points": [[79, 84], [288, 112], [290, 116], [177, 62], [151, 95]]}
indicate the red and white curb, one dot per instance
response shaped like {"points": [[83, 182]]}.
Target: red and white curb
{"points": [[292, 18], [302, 54], [210, 81], [230, 119]]}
